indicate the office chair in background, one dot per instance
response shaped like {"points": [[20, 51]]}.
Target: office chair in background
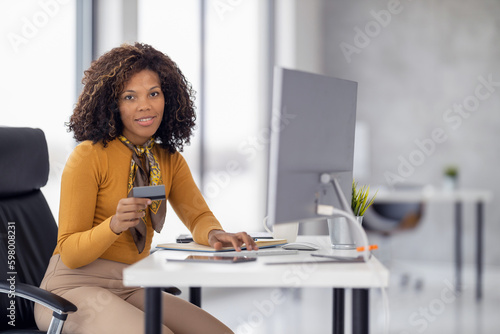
{"points": [[389, 218], [28, 232]]}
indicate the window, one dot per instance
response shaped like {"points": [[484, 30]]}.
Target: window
{"points": [[235, 110], [38, 76]]}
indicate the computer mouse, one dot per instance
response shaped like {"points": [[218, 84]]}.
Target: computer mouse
{"points": [[301, 246]]}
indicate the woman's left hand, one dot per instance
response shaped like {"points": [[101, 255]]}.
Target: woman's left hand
{"points": [[218, 239]]}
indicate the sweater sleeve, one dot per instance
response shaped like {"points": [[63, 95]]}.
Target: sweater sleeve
{"points": [[79, 241], [189, 204]]}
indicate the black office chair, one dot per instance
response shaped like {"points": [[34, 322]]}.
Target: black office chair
{"points": [[28, 232], [390, 218]]}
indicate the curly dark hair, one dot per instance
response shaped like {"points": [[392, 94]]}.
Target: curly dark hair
{"points": [[96, 115]]}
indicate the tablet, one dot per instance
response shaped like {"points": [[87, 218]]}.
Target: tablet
{"points": [[215, 259]]}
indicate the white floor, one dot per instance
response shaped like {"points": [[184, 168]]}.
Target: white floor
{"points": [[421, 299]]}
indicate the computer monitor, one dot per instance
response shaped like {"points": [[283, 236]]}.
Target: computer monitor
{"points": [[312, 133]]}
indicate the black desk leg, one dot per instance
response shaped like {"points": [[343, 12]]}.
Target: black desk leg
{"points": [[153, 311], [338, 310], [195, 296], [360, 311], [479, 251], [458, 246]]}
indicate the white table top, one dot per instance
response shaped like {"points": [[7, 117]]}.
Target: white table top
{"points": [[157, 271], [430, 194]]}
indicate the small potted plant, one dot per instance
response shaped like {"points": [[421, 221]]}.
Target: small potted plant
{"points": [[450, 181], [338, 228], [360, 200]]}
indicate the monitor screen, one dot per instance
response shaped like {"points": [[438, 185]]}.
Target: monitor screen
{"points": [[312, 132]]}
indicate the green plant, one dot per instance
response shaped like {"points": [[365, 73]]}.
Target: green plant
{"points": [[451, 171], [360, 200]]}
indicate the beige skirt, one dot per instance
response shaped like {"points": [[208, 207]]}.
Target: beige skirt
{"points": [[100, 273], [94, 289], [105, 305]]}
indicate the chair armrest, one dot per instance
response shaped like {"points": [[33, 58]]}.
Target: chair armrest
{"points": [[39, 296], [172, 290]]}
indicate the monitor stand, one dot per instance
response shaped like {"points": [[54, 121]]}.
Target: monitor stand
{"points": [[339, 229]]}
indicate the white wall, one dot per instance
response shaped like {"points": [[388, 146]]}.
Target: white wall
{"points": [[414, 65]]}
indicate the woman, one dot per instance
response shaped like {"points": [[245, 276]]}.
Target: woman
{"points": [[133, 117]]}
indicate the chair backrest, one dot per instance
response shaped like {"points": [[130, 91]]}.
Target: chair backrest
{"points": [[28, 231], [387, 218]]}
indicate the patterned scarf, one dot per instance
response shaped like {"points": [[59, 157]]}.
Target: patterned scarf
{"points": [[145, 174]]}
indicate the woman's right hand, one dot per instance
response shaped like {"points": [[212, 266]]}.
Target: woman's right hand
{"points": [[129, 211]]}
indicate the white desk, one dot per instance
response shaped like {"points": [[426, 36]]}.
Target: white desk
{"points": [[155, 272], [458, 197], [430, 194]]}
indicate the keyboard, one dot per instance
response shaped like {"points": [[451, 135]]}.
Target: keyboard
{"points": [[260, 252]]}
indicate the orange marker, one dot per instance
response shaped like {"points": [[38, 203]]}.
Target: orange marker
{"points": [[370, 248]]}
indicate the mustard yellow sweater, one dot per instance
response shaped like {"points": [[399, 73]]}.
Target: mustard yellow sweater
{"points": [[95, 179]]}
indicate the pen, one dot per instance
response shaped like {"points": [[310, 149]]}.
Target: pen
{"points": [[370, 248]]}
